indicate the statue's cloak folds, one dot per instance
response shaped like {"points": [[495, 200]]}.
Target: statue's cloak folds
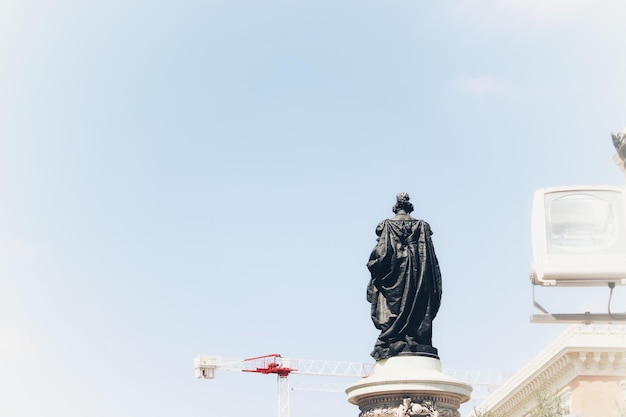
{"points": [[405, 288]]}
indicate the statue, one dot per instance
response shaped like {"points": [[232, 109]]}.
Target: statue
{"points": [[619, 140], [405, 286]]}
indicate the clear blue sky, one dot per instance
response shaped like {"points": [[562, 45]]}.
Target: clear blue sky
{"points": [[205, 177]]}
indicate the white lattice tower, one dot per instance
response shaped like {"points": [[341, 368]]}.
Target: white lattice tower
{"points": [[283, 396]]}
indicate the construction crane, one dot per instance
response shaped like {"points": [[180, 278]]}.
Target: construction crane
{"points": [[282, 367], [205, 367]]}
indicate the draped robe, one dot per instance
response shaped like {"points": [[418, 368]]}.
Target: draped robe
{"points": [[405, 288]]}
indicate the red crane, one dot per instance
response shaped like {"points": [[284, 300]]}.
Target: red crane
{"points": [[281, 367], [274, 364]]}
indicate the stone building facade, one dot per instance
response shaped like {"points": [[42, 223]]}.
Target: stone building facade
{"points": [[585, 367]]}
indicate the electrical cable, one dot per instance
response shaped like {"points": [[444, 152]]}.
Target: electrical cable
{"points": [[611, 287]]}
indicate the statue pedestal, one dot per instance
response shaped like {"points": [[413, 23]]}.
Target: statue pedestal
{"points": [[404, 386]]}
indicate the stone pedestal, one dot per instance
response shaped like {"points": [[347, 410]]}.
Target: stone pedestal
{"points": [[404, 386]]}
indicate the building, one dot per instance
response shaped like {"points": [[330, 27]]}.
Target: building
{"points": [[585, 367]]}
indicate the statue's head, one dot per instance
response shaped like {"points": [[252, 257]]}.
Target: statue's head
{"points": [[403, 203]]}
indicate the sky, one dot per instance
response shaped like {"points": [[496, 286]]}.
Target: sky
{"points": [[205, 178]]}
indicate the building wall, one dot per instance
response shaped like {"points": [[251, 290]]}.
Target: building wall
{"points": [[597, 396]]}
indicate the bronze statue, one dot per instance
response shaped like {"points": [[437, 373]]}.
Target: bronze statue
{"points": [[405, 288], [619, 141]]}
